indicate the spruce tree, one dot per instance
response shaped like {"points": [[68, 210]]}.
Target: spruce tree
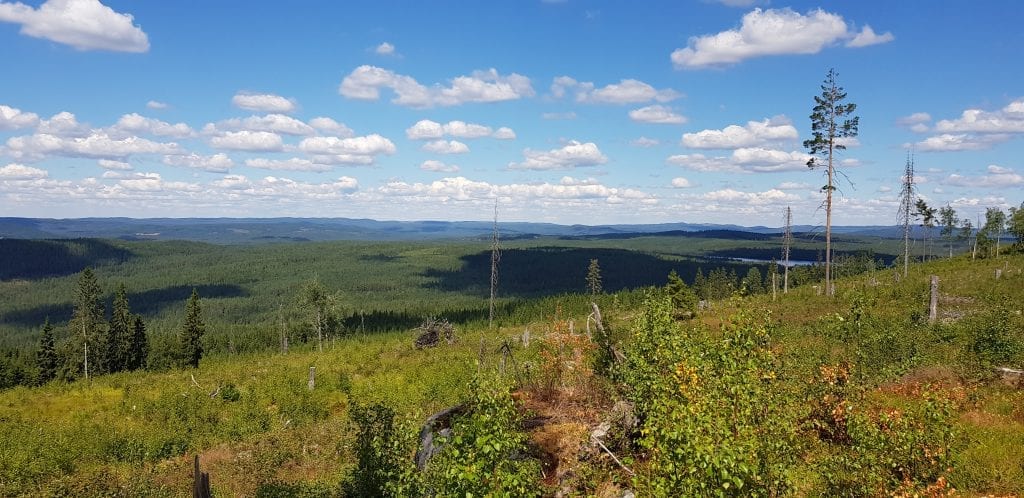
{"points": [[700, 284], [46, 357], [87, 318], [684, 300], [115, 347], [753, 283], [193, 331], [832, 120], [138, 352]]}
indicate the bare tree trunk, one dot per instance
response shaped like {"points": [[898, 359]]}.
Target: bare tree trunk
{"points": [[906, 200], [319, 331], [828, 227], [933, 305], [86, 344], [495, 256], [787, 243]]}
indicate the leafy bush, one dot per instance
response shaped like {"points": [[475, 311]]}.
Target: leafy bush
{"points": [[993, 340], [383, 448], [893, 452], [230, 393], [714, 419], [486, 452]]}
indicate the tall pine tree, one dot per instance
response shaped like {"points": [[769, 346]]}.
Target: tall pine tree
{"points": [[192, 334], [117, 340], [46, 357], [832, 120]]}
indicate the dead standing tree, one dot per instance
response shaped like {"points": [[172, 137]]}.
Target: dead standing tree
{"points": [[495, 257], [787, 243], [906, 204]]}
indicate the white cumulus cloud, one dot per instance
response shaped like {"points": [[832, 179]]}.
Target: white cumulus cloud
{"points": [[572, 155], [217, 163], [438, 166], [95, 145], [772, 32], [794, 186], [680, 182], [461, 189], [293, 164], [365, 83], [504, 133], [744, 160], [994, 177], [446, 147], [16, 171], [82, 24], [331, 127], [13, 119], [626, 91], [1010, 119], [156, 105], [276, 123], [657, 114], [867, 37], [352, 150], [134, 123], [263, 102], [63, 124], [385, 48], [753, 134], [253, 141], [426, 129], [109, 164], [950, 142]]}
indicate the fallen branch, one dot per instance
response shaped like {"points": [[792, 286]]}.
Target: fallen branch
{"points": [[609, 452], [193, 377]]}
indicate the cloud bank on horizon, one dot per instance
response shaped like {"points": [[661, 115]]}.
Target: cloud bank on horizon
{"points": [[608, 114]]}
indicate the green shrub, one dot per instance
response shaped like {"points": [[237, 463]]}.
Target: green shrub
{"points": [[994, 341], [714, 419], [383, 450], [486, 453], [893, 452], [230, 393]]}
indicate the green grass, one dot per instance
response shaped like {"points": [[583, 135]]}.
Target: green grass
{"points": [[141, 426]]}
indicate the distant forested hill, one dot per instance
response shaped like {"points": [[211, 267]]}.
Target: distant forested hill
{"points": [[264, 230]]}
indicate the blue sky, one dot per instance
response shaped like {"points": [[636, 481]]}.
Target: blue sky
{"points": [[569, 112]]}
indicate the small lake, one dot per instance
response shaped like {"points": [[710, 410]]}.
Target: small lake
{"points": [[792, 262]]}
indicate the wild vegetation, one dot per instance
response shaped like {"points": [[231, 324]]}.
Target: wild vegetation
{"points": [[750, 393]]}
